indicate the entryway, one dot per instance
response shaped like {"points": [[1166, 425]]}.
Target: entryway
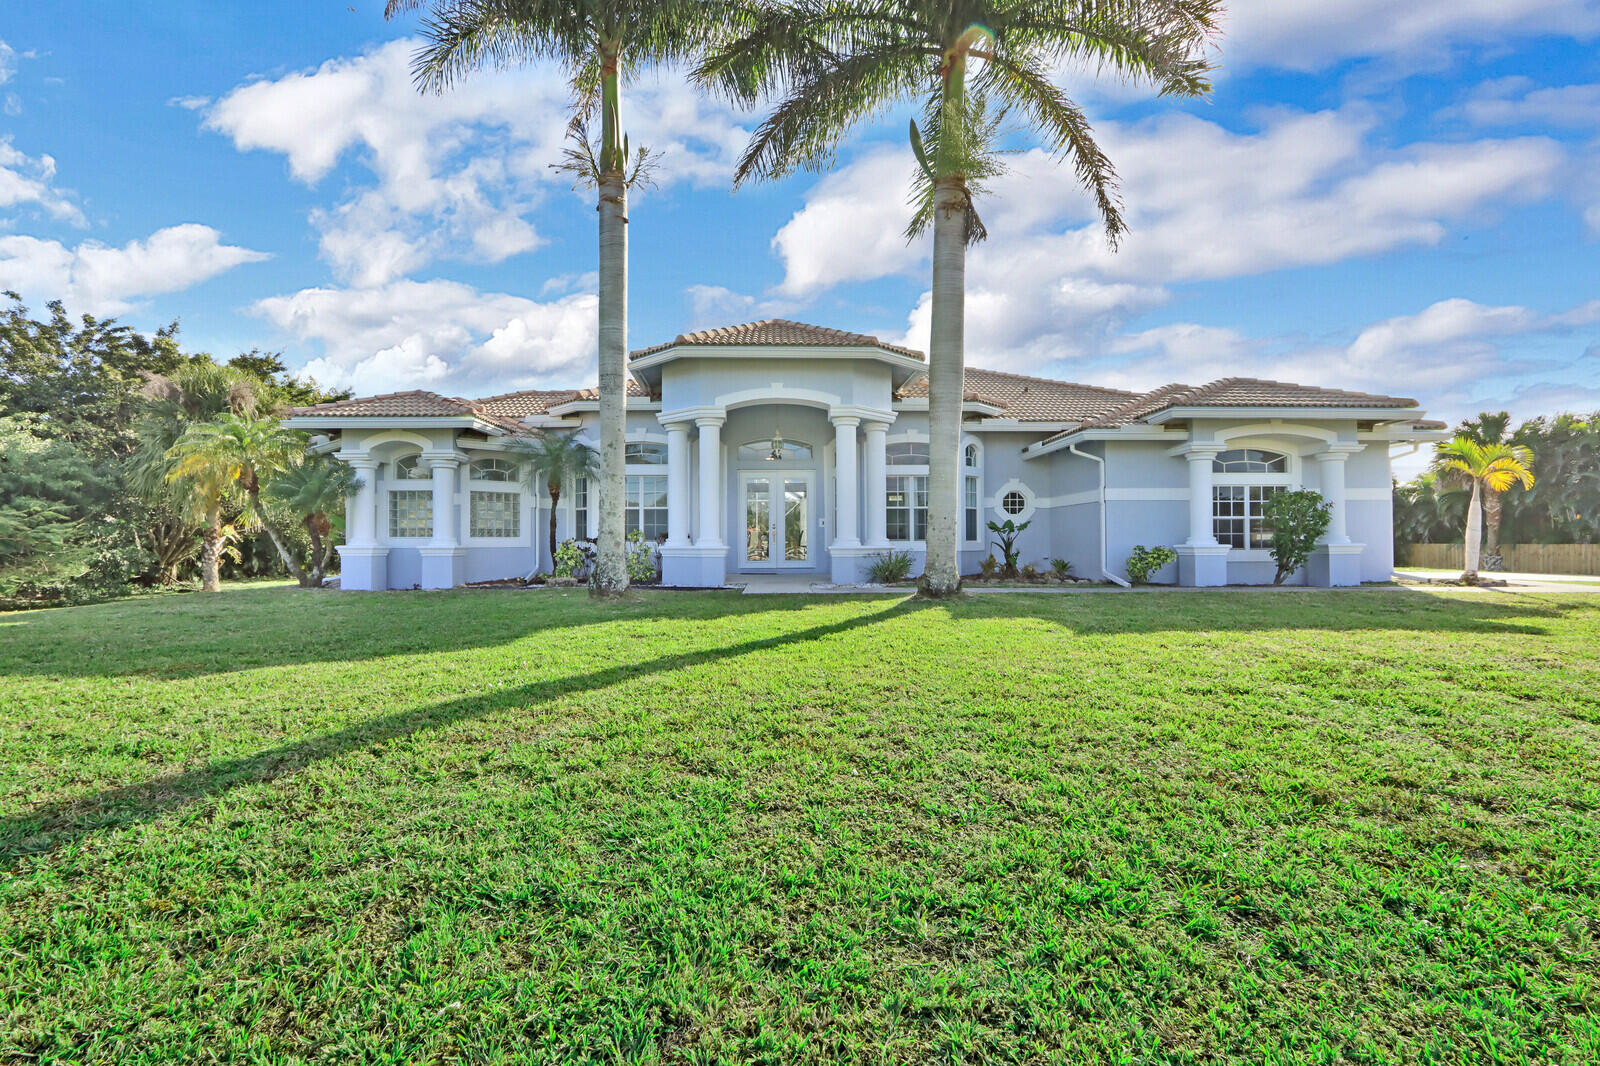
{"points": [[777, 509]]}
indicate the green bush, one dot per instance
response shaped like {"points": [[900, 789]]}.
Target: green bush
{"points": [[641, 559], [1061, 568], [1008, 532], [990, 565], [890, 567], [1297, 519], [570, 559], [1146, 561]]}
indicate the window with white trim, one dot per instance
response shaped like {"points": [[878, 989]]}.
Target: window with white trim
{"points": [[580, 509], [905, 512], [411, 467], [970, 507], [906, 453], [971, 456], [644, 453], [774, 448], [495, 514], [1013, 502], [492, 470], [1236, 514], [647, 506], [1250, 461], [410, 513]]}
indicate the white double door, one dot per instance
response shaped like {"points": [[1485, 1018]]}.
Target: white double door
{"points": [[776, 506]]}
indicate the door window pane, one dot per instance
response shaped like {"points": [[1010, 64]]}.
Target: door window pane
{"points": [[794, 521], [757, 520]]}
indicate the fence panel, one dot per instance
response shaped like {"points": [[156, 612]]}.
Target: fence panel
{"points": [[1520, 558]]}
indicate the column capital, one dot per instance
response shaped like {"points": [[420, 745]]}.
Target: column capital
{"points": [[710, 421], [443, 462], [1338, 452], [845, 421], [693, 414], [1195, 450], [677, 425], [359, 462], [874, 425], [858, 413]]}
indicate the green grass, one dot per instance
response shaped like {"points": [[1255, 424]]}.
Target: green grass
{"points": [[1238, 826]]}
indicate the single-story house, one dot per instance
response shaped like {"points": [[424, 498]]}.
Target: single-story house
{"points": [[782, 447]]}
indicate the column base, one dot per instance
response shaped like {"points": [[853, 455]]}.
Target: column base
{"points": [[1334, 565], [849, 562], [443, 568], [694, 566], [1202, 565], [363, 569]]}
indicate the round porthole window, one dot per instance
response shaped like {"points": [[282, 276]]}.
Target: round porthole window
{"points": [[1013, 502]]}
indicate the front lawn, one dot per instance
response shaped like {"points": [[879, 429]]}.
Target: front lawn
{"points": [[497, 826]]}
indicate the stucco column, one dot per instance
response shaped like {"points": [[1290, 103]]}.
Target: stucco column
{"points": [[362, 509], [875, 487], [1201, 530], [677, 484], [445, 520], [1330, 465], [846, 533], [710, 480]]}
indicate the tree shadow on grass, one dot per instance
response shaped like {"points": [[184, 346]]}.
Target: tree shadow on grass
{"points": [[48, 828]]}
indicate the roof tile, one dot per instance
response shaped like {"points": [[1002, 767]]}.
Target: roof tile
{"points": [[1030, 399], [779, 333]]}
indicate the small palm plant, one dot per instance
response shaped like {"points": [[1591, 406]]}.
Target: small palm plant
{"points": [[316, 491], [557, 460], [1487, 469]]}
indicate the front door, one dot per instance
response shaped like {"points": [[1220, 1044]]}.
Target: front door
{"points": [[777, 519]]}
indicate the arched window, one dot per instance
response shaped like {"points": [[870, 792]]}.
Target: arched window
{"points": [[1013, 502], [1250, 461], [411, 467], [643, 453], [772, 449], [971, 455], [907, 453], [1244, 479], [493, 470]]}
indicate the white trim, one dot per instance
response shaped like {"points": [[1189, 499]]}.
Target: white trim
{"points": [[1287, 413], [1030, 501]]}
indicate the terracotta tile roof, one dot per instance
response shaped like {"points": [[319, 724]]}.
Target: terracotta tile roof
{"points": [[779, 333], [416, 403], [1140, 407], [1031, 399], [526, 403], [634, 389]]}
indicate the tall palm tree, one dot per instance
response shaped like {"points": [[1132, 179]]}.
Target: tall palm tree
{"points": [[840, 62], [1488, 469], [558, 460], [243, 453], [316, 491], [601, 43], [1490, 427]]}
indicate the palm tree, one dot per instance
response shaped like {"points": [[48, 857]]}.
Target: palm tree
{"points": [[601, 43], [242, 453], [1490, 428], [839, 62], [558, 460], [316, 490], [1487, 468]]}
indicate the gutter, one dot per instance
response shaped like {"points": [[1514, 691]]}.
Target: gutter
{"points": [[1105, 571]]}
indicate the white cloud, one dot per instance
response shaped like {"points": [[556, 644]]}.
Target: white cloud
{"points": [[456, 173], [410, 334], [105, 280], [190, 103], [1518, 101], [851, 227], [26, 179], [8, 62]]}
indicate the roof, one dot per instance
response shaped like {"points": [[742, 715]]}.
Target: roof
{"points": [[777, 333], [1031, 399], [416, 403], [525, 404]]}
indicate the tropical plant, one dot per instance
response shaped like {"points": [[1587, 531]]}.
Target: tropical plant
{"points": [[1487, 469], [1062, 568], [641, 560], [1008, 532], [990, 565], [316, 491], [1489, 427], [1143, 562], [240, 453], [890, 567], [557, 460], [569, 559], [601, 43], [837, 63], [1296, 520]]}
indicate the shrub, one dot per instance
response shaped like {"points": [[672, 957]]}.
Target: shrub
{"points": [[890, 567], [570, 559], [989, 566], [1297, 519], [1061, 568], [641, 560], [1146, 561], [1031, 573], [1008, 532]]}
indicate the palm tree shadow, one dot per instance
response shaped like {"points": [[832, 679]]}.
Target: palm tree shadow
{"points": [[52, 826]]}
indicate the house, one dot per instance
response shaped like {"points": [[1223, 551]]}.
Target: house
{"points": [[782, 447]]}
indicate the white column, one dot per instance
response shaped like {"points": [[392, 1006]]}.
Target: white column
{"points": [[846, 533], [677, 484], [710, 480], [362, 508], [1201, 530], [445, 519], [875, 487], [1331, 466]]}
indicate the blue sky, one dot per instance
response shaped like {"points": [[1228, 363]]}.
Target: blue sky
{"points": [[1409, 203]]}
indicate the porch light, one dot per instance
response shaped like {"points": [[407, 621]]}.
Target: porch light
{"points": [[777, 445]]}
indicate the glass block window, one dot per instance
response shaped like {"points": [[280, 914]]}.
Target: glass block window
{"points": [[640, 453], [1250, 461], [970, 507], [411, 513], [496, 514], [580, 509], [647, 506], [1236, 515], [906, 453], [906, 507], [493, 470]]}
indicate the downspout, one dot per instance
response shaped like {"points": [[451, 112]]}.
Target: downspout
{"points": [[1105, 571]]}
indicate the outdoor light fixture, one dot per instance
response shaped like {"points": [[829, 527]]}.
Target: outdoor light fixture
{"points": [[777, 445]]}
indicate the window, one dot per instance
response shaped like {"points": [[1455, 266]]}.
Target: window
{"points": [[411, 513], [906, 507], [640, 453], [764, 450], [580, 509], [496, 514], [906, 453], [1014, 502], [971, 507], [971, 455], [1250, 461], [647, 506], [411, 467], [493, 470], [1236, 514]]}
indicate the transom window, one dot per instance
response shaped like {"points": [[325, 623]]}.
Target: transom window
{"points": [[907, 453], [496, 514], [1236, 514], [1013, 502], [906, 507], [493, 470], [971, 456], [411, 467], [643, 453], [785, 449], [410, 513], [1250, 461], [647, 506]]}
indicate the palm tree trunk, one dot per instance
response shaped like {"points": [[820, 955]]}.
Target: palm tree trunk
{"points": [[610, 568], [941, 573], [555, 497], [277, 540], [317, 559], [1474, 534], [1492, 510], [211, 550]]}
